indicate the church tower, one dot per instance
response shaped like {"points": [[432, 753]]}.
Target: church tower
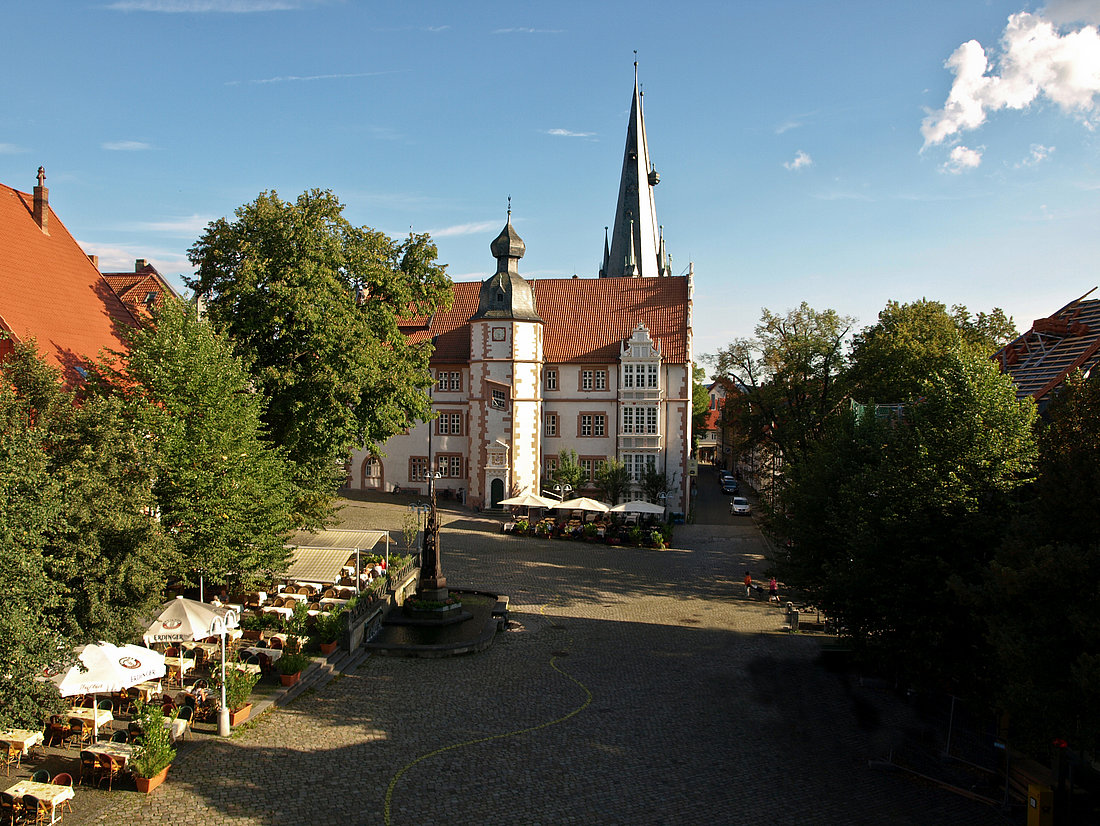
{"points": [[506, 352], [637, 248]]}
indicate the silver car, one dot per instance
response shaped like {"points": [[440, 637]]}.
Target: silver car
{"points": [[740, 506]]}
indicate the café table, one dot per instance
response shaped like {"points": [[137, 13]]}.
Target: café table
{"points": [[332, 601], [272, 653], [46, 792], [278, 609], [22, 738], [146, 690], [248, 668], [123, 751], [98, 717]]}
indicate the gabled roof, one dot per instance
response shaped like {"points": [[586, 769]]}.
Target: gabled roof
{"points": [[50, 290], [585, 319], [1040, 359], [141, 289]]}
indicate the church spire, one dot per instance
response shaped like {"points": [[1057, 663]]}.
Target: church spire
{"points": [[634, 233]]}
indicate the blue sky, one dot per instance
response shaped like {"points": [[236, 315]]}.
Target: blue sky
{"points": [[808, 151]]}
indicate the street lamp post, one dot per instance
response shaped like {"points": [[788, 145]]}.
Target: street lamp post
{"points": [[560, 491], [220, 626]]}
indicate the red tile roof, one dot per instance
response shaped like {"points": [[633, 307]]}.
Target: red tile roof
{"points": [[586, 319], [134, 288], [1041, 358], [51, 291]]}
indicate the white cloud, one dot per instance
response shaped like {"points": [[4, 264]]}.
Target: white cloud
{"points": [[801, 159], [113, 258], [963, 158], [1036, 61], [205, 6], [10, 149], [125, 146], [1062, 12], [190, 226], [1038, 154], [565, 133], [464, 229], [527, 30], [307, 78]]}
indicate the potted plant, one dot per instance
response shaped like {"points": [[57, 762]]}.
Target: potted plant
{"points": [[290, 667], [150, 761], [328, 628], [238, 688], [250, 626]]}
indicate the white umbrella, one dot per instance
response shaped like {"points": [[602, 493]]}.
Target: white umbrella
{"points": [[582, 503], [530, 500], [185, 619], [638, 507], [107, 668]]}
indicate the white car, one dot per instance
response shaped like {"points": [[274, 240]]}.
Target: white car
{"points": [[740, 505]]}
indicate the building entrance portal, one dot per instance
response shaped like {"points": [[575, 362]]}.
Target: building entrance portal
{"points": [[496, 493]]}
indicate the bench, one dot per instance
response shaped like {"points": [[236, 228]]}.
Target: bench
{"points": [[500, 612]]}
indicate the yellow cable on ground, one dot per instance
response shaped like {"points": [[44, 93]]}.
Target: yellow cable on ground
{"points": [[553, 664]]}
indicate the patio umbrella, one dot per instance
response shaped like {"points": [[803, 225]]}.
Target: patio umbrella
{"points": [[107, 668], [529, 500], [184, 619], [582, 503], [638, 507]]}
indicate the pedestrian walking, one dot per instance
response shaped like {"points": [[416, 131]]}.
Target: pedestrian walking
{"points": [[748, 584], [773, 590]]}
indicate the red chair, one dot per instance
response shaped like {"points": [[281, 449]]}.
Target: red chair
{"points": [[64, 779]]}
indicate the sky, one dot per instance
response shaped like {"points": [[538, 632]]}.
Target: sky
{"points": [[841, 154]]}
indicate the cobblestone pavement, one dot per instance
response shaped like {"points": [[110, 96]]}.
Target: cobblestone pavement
{"points": [[633, 686]]}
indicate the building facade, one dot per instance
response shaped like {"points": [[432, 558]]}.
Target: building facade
{"points": [[524, 369]]}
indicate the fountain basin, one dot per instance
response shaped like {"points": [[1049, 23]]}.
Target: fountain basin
{"points": [[447, 634]]}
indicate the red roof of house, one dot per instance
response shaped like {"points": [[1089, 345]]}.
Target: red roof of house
{"points": [[1040, 359], [586, 319], [51, 291], [140, 289]]}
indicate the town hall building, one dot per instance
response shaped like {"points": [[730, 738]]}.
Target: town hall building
{"points": [[525, 368]]}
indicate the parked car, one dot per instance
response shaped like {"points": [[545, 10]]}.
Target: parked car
{"points": [[740, 506], [725, 474], [730, 485]]}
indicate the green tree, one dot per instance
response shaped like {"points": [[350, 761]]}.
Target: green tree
{"points": [[613, 479], [569, 471], [312, 304], [1045, 581], [655, 483], [700, 403], [30, 500], [224, 494], [893, 515], [787, 378]]}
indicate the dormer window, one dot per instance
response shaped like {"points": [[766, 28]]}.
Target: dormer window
{"points": [[500, 296]]}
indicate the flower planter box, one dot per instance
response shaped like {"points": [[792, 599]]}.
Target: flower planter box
{"points": [[238, 716], [328, 647], [147, 784], [290, 679]]}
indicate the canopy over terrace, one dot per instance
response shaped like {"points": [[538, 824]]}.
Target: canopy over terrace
{"points": [[320, 557]]}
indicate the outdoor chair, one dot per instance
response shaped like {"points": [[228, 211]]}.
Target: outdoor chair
{"points": [[64, 779], [87, 766], [40, 776], [105, 705], [56, 731], [276, 643], [9, 808], [35, 810], [11, 753], [124, 702], [79, 734], [187, 714], [133, 729], [107, 768], [120, 737]]}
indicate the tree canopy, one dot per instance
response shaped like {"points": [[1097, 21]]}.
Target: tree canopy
{"points": [[312, 304], [223, 492]]}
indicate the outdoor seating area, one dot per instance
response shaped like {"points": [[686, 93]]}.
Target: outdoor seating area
{"points": [[637, 523]]}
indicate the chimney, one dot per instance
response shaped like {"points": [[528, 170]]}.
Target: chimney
{"points": [[140, 264], [42, 203], [95, 260]]}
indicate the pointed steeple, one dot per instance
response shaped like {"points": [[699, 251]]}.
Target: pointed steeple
{"points": [[634, 233], [606, 254]]}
